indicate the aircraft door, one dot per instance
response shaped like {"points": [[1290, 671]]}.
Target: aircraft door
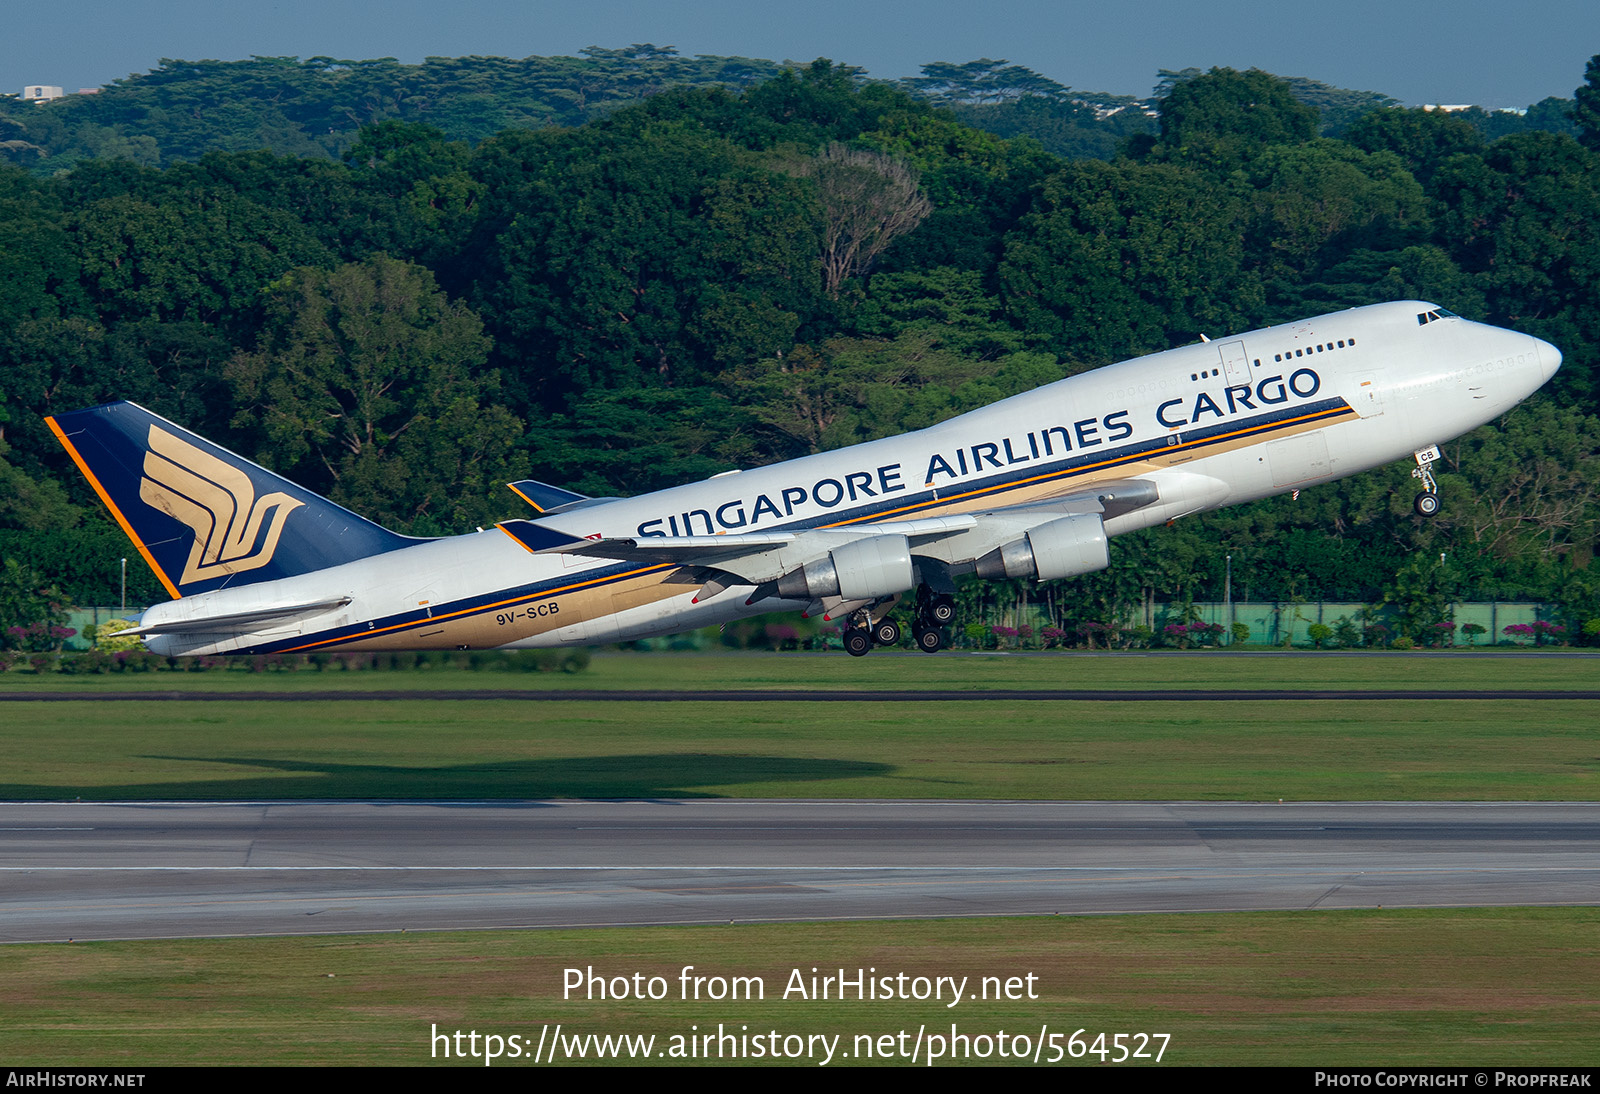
{"points": [[1300, 458], [1367, 396], [1235, 363]]}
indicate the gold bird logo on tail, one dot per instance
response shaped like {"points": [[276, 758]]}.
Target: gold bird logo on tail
{"points": [[218, 501]]}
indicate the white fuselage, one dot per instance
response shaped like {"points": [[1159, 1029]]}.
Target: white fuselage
{"points": [[1213, 424]]}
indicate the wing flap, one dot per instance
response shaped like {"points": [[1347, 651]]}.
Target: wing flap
{"points": [[702, 550]]}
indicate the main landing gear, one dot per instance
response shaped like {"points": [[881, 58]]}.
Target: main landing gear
{"points": [[863, 632], [934, 610], [1426, 503], [857, 641]]}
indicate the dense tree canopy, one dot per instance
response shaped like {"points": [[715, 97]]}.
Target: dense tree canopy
{"points": [[418, 291]]}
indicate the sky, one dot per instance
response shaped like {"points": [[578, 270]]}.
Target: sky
{"points": [[1494, 54]]}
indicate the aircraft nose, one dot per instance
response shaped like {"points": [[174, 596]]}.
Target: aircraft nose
{"points": [[1549, 358]]}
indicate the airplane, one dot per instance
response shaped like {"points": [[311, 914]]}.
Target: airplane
{"points": [[1030, 487]]}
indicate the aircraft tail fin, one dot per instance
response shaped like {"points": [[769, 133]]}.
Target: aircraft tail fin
{"points": [[203, 517]]}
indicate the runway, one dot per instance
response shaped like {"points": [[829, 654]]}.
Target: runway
{"points": [[147, 870]]}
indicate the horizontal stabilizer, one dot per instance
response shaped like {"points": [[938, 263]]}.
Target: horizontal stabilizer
{"points": [[537, 538], [542, 496], [235, 621]]}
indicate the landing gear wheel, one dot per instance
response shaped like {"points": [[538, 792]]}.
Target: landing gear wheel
{"points": [[857, 642], [1427, 502], [943, 610], [929, 639], [886, 633]]}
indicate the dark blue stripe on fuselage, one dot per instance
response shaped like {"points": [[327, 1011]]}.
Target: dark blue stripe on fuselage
{"points": [[1030, 474]]}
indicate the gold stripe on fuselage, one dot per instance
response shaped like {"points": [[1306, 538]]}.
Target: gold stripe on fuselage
{"points": [[482, 628]]}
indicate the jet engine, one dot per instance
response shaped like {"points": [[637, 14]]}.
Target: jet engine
{"points": [[864, 569], [1062, 548]]}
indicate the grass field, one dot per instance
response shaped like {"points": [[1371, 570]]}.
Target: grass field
{"points": [[520, 748], [1481, 986], [900, 670]]}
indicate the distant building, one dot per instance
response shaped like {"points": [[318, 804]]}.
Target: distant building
{"points": [[41, 93]]}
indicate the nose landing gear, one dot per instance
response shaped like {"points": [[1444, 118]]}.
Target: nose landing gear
{"points": [[1426, 503]]}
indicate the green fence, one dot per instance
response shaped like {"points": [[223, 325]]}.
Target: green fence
{"points": [[80, 618], [1271, 622]]}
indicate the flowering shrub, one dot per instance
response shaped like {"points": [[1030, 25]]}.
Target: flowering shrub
{"points": [[38, 637], [1089, 632], [1540, 631], [782, 636]]}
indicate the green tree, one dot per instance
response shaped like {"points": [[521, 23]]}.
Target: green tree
{"points": [[1121, 259], [370, 384], [982, 81], [421, 182], [1420, 595], [1318, 201], [33, 612], [1524, 221], [867, 201], [1423, 139], [638, 252], [1073, 129], [1523, 494], [201, 254], [1225, 118], [977, 183], [1586, 106], [37, 265], [632, 440], [850, 390]]}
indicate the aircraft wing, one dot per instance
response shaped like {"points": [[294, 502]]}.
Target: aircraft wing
{"points": [[760, 558]]}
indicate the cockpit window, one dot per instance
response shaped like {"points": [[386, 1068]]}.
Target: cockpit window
{"points": [[1426, 317]]}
